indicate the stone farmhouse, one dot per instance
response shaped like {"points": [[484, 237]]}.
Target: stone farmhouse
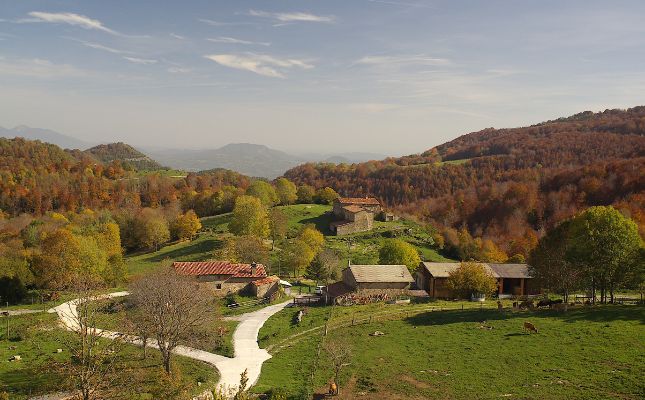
{"points": [[512, 279], [226, 276], [354, 214]]}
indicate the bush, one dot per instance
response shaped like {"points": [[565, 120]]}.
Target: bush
{"points": [[277, 394], [12, 290]]}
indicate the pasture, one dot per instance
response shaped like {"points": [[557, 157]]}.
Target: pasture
{"points": [[35, 337], [586, 353]]}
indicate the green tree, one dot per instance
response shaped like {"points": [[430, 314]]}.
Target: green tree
{"points": [[152, 229], [326, 195], [243, 249], [306, 194], [286, 190], [606, 245], [471, 278], [313, 238], [549, 265], [325, 267], [297, 255], [263, 191], [398, 252], [278, 224], [250, 217]]}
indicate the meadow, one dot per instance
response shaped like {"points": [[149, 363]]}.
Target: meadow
{"points": [[586, 353]]}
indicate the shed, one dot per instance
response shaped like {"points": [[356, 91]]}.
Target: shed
{"points": [[512, 279], [377, 277]]}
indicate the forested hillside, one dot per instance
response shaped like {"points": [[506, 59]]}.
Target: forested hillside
{"points": [[130, 158], [37, 178], [507, 185]]}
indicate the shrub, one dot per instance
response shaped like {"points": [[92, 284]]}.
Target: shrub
{"points": [[12, 289]]}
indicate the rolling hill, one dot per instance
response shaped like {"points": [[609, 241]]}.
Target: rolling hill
{"points": [[507, 185], [129, 157]]}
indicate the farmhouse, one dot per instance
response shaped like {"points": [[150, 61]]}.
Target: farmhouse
{"points": [[512, 279], [354, 214], [223, 275]]}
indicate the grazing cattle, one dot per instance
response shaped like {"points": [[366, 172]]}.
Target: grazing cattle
{"points": [[527, 304], [548, 303], [333, 388], [500, 307], [530, 327]]}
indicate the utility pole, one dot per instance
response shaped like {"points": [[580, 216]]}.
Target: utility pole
{"points": [[349, 252]]}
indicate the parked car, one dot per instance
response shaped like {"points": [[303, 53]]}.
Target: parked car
{"points": [[319, 290]]}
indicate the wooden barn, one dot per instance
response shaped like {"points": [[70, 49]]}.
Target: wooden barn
{"points": [[512, 279]]}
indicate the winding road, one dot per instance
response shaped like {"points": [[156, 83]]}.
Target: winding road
{"points": [[248, 355]]}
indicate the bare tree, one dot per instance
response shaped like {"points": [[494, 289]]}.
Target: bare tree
{"points": [[174, 307], [93, 352], [339, 354]]}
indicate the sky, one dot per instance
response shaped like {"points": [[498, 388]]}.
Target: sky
{"points": [[387, 76]]}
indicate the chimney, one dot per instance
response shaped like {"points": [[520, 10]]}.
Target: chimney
{"points": [[254, 267]]}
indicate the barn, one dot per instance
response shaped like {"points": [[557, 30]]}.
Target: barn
{"points": [[512, 279]]}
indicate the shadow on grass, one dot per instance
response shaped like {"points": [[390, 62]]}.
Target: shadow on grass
{"points": [[321, 222], [593, 314], [193, 251]]}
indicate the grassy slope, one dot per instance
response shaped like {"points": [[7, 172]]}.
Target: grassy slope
{"points": [[364, 245], [36, 338], [584, 354]]}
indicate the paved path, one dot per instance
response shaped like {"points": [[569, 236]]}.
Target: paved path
{"points": [[248, 354]]}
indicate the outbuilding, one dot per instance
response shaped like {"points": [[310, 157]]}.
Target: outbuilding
{"points": [[512, 279]]}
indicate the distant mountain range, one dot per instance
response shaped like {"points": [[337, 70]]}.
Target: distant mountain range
{"points": [[246, 158], [45, 135]]}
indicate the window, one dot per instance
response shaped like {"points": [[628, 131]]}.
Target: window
{"points": [[218, 286]]}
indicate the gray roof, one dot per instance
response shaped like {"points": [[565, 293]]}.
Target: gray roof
{"points": [[443, 270], [381, 273], [510, 270]]}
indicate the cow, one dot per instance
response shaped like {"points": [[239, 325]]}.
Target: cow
{"points": [[333, 388], [530, 327]]}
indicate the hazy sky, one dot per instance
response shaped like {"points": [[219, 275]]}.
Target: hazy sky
{"points": [[358, 75]]}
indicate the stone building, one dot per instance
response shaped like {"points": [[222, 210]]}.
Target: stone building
{"points": [[223, 275], [354, 214], [266, 287]]}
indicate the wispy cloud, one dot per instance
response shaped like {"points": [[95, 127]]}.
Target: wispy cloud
{"points": [[260, 64], [69, 19], [401, 3], [222, 23], [179, 70], [99, 46], [230, 40], [142, 61], [38, 68], [176, 36], [293, 16], [418, 59]]}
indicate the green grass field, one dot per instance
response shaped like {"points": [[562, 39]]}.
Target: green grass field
{"points": [[586, 353], [36, 337]]}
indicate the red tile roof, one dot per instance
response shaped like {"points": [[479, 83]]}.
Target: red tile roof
{"points": [[366, 201], [354, 209], [219, 268], [266, 281]]}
